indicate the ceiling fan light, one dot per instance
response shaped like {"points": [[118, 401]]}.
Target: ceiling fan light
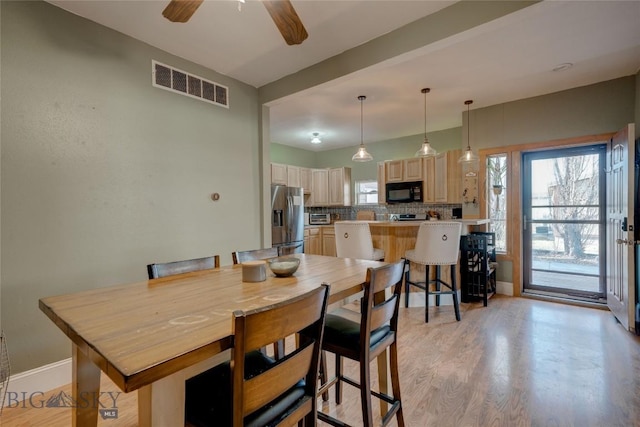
{"points": [[316, 139], [362, 155]]}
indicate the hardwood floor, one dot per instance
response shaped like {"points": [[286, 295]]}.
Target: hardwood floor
{"points": [[517, 362]]}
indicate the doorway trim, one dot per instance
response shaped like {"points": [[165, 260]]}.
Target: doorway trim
{"points": [[514, 197]]}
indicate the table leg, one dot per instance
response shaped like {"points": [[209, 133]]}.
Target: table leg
{"points": [[85, 389], [161, 403]]}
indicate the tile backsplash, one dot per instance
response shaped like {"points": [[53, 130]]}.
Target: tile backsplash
{"points": [[383, 211]]}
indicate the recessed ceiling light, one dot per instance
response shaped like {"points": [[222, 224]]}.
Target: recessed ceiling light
{"points": [[315, 139], [563, 67]]}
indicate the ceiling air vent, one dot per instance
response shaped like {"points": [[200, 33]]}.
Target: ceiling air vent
{"points": [[169, 78]]}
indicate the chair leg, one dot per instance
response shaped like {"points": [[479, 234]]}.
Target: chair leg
{"points": [[438, 287], [339, 379], [395, 381], [456, 306], [365, 394], [323, 374], [406, 283], [426, 294]]}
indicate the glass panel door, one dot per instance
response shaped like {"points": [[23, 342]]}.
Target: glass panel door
{"points": [[564, 222]]}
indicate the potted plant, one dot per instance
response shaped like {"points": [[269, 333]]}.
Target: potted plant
{"points": [[497, 168]]}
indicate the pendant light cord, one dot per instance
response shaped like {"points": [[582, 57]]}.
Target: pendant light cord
{"points": [[469, 102], [361, 98]]}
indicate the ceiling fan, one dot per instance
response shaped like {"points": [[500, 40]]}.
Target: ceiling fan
{"points": [[281, 11]]}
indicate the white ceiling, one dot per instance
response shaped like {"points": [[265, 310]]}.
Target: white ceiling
{"points": [[507, 59]]}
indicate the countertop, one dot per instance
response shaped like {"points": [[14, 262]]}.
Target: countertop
{"points": [[466, 222]]}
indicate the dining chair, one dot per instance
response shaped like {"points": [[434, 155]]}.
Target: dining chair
{"points": [[363, 339], [158, 270], [437, 244], [353, 240], [256, 254], [253, 389]]}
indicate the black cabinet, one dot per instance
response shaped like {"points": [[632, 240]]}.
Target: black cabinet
{"points": [[477, 267]]}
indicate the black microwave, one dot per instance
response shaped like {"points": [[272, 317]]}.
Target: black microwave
{"points": [[404, 192]]}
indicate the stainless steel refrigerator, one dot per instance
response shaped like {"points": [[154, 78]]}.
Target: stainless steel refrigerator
{"points": [[287, 219]]}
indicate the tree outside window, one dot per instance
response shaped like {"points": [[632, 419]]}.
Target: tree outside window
{"points": [[497, 198]]}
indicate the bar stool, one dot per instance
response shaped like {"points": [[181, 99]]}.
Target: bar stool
{"points": [[353, 240], [438, 244]]}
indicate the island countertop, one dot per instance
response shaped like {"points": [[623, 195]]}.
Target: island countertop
{"points": [[396, 237]]}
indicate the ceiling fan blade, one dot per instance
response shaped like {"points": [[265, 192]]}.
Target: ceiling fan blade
{"points": [[181, 10], [287, 20]]}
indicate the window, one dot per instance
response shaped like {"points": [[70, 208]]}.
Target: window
{"points": [[497, 198], [367, 192]]}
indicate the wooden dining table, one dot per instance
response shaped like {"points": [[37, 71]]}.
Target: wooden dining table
{"points": [[152, 335]]}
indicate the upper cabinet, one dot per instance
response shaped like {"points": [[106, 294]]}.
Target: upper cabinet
{"points": [[320, 187], [382, 180], [404, 170], [447, 177], [306, 180], [441, 176], [278, 174], [340, 186], [429, 182], [293, 176]]}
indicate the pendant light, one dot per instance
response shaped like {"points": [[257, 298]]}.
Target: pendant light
{"points": [[361, 155], [468, 156], [426, 150]]}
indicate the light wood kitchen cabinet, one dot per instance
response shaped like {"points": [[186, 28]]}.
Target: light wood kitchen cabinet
{"points": [[412, 169], [293, 176], [405, 170], [428, 183], [278, 174], [320, 185], [340, 186], [440, 173], [447, 177], [394, 171], [329, 241], [454, 177], [313, 241], [382, 194], [306, 180]]}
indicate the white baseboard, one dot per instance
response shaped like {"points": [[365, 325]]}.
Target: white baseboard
{"points": [[504, 288], [41, 379]]}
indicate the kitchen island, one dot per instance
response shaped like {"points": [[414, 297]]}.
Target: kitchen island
{"points": [[396, 237]]}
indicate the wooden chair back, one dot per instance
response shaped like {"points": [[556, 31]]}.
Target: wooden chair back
{"points": [[258, 328], [377, 309], [241, 256], [158, 270]]}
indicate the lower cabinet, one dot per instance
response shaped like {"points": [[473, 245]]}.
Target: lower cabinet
{"points": [[312, 241], [328, 241]]}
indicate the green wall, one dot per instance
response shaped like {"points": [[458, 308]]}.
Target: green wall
{"points": [[398, 148], [293, 156], [102, 173], [599, 108]]}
